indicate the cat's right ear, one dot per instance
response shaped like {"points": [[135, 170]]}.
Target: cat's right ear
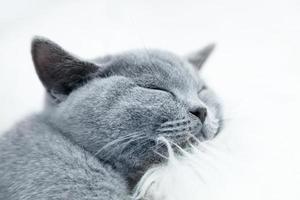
{"points": [[59, 71], [198, 58]]}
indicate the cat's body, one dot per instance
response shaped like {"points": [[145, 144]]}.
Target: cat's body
{"points": [[98, 134], [38, 162]]}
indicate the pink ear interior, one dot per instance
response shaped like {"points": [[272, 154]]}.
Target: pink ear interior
{"points": [[59, 71]]}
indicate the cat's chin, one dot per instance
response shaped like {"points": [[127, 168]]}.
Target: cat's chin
{"points": [[135, 173]]}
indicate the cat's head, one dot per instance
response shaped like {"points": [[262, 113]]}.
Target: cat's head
{"points": [[117, 106]]}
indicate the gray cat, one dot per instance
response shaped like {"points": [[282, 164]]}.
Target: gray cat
{"points": [[98, 132]]}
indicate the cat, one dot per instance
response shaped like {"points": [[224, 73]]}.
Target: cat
{"points": [[98, 133]]}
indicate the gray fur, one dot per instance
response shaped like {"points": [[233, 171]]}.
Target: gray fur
{"points": [[37, 162], [99, 136]]}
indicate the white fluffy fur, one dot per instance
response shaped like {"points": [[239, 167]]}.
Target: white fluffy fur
{"points": [[201, 172]]}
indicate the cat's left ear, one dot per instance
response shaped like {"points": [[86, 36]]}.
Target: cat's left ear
{"points": [[198, 58], [59, 71]]}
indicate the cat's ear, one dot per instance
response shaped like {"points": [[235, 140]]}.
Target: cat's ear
{"points": [[59, 71], [198, 58]]}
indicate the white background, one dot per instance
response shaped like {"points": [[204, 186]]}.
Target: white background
{"points": [[255, 68]]}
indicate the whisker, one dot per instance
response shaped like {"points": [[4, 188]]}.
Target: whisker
{"points": [[125, 144], [126, 137], [179, 122], [174, 130], [161, 155]]}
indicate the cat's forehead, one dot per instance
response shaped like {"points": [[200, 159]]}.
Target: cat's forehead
{"points": [[160, 67]]}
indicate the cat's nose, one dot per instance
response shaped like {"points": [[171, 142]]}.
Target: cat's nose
{"points": [[200, 112]]}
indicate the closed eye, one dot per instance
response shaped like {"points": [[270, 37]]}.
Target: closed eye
{"points": [[202, 89], [158, 88], [154, 87]]}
